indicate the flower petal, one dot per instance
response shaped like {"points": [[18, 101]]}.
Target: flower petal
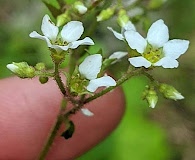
{"points": [[81, 8], [167, 62], [48, 28], [72, 31], [116, 34], [158, 34], [176, 47], [59, 48], [135, 41], [34, 34], [12, 67], [87, 112], [128, 26], [85, 41], [105, 81], [118, 55], [140, 62], [91, 66], [177, 96]]}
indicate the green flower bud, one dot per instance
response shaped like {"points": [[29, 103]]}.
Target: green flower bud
{"points": [[151, 96], [80, 7], [22, 69], [123, 18], [105, 14], [170, 92], [43, 79], [155, 4], [40, 66], [63, 19]]}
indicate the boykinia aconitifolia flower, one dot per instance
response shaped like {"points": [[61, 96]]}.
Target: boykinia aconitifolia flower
{"points": [[67, 38], [90, 68], [127, 27], [156, 49]]}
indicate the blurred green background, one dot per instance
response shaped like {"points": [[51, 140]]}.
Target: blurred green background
{"points": [[164, 133]]}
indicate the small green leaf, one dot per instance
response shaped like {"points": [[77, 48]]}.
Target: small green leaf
{"points": [[69, 132]]}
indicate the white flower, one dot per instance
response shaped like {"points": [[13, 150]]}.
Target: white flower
{"points": [[90, 68], [87, 112], [68, 37], [127, 27], [156, 49]]}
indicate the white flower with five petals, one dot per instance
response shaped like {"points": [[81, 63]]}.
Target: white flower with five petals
{"points": [[90, 69], [68, 37], [156, 49]]}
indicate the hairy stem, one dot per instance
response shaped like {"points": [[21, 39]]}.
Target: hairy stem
{"points": [[51, 136], [59, 120]]}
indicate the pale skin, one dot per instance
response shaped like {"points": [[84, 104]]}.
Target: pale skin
{"points": [[28, 110]]}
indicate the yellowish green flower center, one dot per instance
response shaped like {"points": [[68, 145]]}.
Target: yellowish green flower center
{"points": [[152, 54]]}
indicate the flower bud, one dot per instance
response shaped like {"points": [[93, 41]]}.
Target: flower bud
{"points": [[40, 66], [151, 96], [80, 7], [22, 69], [170, 92], [105, 14], [155, 4], [123, 18], [43, 79], [63, 19]]}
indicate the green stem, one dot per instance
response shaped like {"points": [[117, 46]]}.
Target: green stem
{"points": [[59, 80], [128, 75], [51, 136], [59, 120]]}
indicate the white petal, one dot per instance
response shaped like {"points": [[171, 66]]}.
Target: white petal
{"points": [[135, 41], [34, 34], [176, 47], [48, 28], [116, 34], [158, 34], [167, 62], [12, 67], [152, 103], [118, 55], [72, 31], [59, 48], [91, 66], [81, 9], [105, 81], [86, 112], [140, 62], [177, 96], [128, 26], [85, 41]]}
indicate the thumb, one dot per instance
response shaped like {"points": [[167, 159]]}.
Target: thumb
{"points": [[28, 110]]}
